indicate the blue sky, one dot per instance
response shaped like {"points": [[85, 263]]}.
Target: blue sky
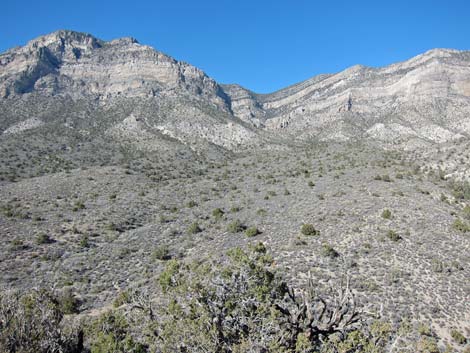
{"points": [[262, 45]]}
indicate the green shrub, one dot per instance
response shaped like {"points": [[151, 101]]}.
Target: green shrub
{"points": [[33, 323], [461, 226], [244, 289], [329, 251], [251, 232], [79, 205], [235, 226], [458, 337], [437, 266], [192, 204], [123, 298], [110, 333], [68, 302], [43, 238], [194, 228], [308, 229], [394, 236], [460, 190], [84, 242], [387, 214], [466, 212], [218, 213], [161, 252], [424, 330], [427, 345]]}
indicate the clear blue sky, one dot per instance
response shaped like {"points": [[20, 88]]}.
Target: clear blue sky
{"points": [[262, 45]]}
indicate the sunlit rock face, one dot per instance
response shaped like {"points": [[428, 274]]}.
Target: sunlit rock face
{"points": [[426, 98]]}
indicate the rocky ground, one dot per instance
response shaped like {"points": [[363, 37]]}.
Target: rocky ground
{"points": [[380, 219]]}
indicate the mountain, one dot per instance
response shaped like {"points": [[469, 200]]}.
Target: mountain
{"points": [[425, 99], [119, 89], [116, 158]]}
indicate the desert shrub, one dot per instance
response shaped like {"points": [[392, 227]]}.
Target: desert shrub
{"points": [[161, 252], [79, 205], [466, 212], [240, 306], [194, 228], [192, 204], [427, 345], [460, 190], [84, 242], [437, 266], [68, 302], [424, 330], [387, 214], [308, 229], [384, 177], [34, 323], [461, 226], [329, 251], [261, 212], [43, 238], [235, 226], [110, 333], [123, 297], [18, 244], [394, 236], [218, 213], [251, 232], [458, 337], [311, 184]]}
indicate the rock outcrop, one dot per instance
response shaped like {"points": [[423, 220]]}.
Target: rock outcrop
{"points": [[423, 100], [426, 98]]}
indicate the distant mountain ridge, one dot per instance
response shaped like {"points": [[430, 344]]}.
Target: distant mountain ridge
{"points": [[422, 100]]}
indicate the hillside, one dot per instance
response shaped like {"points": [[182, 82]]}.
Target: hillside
{"points": [[117, 160]]}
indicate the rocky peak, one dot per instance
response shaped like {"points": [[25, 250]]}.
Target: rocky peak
{"points": [[123, 41], [64, 42], [78, 64]]}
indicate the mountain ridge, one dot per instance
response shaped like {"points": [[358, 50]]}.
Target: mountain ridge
{"points": [[425, 99]]}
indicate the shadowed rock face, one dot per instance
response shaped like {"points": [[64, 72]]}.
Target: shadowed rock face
{"points": [[425, 99]]}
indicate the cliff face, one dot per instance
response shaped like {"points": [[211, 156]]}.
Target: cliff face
{"points": [[81, 65], [425, 99], [163, 95]]}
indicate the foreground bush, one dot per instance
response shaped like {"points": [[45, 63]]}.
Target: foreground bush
{"points": [[34, 323], [242, 305]]}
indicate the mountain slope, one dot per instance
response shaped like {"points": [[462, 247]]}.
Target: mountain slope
{"points": [[120, 89], [426, 98], [136, 95]]}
